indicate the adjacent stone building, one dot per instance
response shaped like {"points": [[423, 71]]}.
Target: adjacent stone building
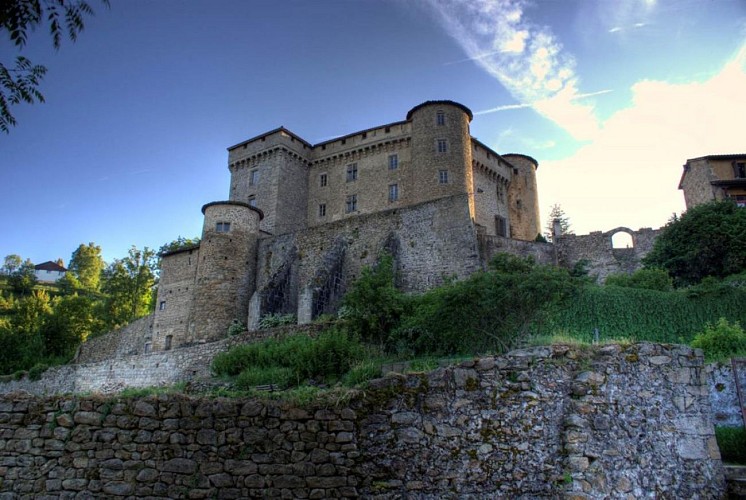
{"points": [[302, 220], [714, 177]]}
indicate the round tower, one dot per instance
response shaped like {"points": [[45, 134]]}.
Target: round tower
{"points": [[441, 150], [523, 198], [226, 269]]}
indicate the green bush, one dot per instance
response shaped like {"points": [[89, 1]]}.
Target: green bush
{"points": [[274, 320], [721, 341], [236, 327], [329, 356], [732, 444], [36, 371], [649, 279], [276, 375], [489, 311], [361, 373]]}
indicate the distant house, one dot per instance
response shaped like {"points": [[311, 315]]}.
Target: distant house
{"points": [[714, 177], [49, 272]]}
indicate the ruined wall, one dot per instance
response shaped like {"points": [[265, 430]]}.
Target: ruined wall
{"points": [[126, 341], [542, 253], [597, 249], [542, 422]]}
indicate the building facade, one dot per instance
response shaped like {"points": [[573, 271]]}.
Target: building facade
{"points": [[714, 177], [302, 220]]}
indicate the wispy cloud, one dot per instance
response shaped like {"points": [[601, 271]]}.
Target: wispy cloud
{"points": [[507, 107], [528, 60]]}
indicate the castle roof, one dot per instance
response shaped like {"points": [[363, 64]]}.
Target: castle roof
{"points": [[708, 157], [272, 132], [49, 266], [451, 103]]}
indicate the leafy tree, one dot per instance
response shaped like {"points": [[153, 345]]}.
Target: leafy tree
{"points": [[557, 213], [86, 265], [128, 283], [23, 280], [649, 278], [178, 244], [707, 240], [71, 322], [373, 305], [31, 313], [20, 82], [11, 263], [721, 341]]}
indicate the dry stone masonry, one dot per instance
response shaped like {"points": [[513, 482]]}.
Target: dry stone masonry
{"points": [[546, 422]]}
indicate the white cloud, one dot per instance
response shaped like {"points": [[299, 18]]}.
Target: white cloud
{"points": [[527, 59], [629, 174]]}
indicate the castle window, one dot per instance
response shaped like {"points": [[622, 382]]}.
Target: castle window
{"points": [[739, 170], [387, 129], [169, 338], [352, 172], [739, 199], [223, 227], [442, 146], [162, 305], [393, 162], [501, 226], [252, 201], [443, 176], [322, 180], [254, 177], [440, 118], [322, 210], [351, 204], [393, 192]]}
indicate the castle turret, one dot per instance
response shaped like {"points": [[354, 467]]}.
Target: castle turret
{"points": [[226, 268], [523, 198], [441, 150]]}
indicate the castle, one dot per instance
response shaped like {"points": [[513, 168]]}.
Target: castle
{"points": [[302, 220]]}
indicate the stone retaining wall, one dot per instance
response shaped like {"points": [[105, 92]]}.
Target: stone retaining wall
{"points": [[543, 422]]}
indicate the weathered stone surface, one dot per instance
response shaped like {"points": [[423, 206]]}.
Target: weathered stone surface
{"points": [[511, 428]]}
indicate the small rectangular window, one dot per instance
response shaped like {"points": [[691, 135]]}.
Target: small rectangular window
{"points": [[162, 305], [440, 118], [351, 204], [223, 227], [443, 176], [322, 180], [501, 227], [254, 177], [739, 169], [393, 192], [352, 172], [322, 210], [442, 146], [393, 162]]}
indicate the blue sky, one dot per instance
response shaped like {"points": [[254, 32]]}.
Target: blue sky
{"points": [[610, 96]]}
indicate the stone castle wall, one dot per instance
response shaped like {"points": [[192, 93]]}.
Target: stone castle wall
{"points": [[127, 341], [542, 422], [430, 243], [176, 287], [523, 198], [602, 258]]}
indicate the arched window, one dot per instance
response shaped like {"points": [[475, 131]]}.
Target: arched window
{"points": [[622, 239]]}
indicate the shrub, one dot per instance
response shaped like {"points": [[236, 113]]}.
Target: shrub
{"points": [[361, 373], [275, 375], [648, 279], [721, 341], [236, 327], [36, 371], [732, 444], [273, 320], [328, 356]]}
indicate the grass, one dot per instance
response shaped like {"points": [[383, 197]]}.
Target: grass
{"points": [[732, 443]]}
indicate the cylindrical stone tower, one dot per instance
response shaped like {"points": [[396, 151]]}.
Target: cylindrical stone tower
{"points": [[225, 273], [441, 150], [523, 198]]}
